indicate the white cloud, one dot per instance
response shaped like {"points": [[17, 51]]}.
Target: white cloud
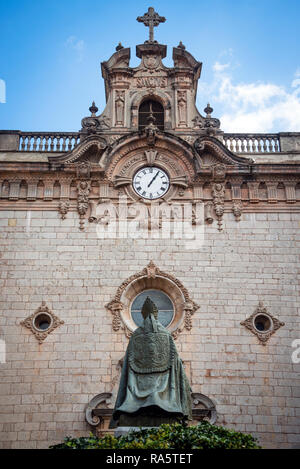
{"points": [[217, 67], [77, 45], [253, 107]]}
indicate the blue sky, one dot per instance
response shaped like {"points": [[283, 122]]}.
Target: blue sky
{"points": [[51, 51]]}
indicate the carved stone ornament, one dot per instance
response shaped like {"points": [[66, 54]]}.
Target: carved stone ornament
{"points": [[182, 107], [83, 189], [31, 322], [101, 401], [150, 273], [151, 130], [274, 324], [219, 172], [92, 125], [100, 409], [119, 107], [218, 193], [63, 208], [237, 210], [151, 156], [203, 408]]}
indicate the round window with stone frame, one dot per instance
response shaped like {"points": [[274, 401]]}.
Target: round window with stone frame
{"points": [[42, 321], [262, 323], [160, 299]]}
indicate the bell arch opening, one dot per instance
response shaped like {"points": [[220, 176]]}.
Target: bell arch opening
{"points": [[151, 108]]}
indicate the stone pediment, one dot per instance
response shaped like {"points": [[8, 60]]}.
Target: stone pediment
{"points": [[89, 150], [134, 143], [210, 151]]}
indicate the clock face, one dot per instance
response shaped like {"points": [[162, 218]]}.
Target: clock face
{"points": [[151, 182]]}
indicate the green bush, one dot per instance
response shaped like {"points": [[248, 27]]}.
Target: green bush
{"points": [[176, 436]]}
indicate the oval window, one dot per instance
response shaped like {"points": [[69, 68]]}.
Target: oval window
{"points": [[42, 321], [162, 302], [262, 323]]}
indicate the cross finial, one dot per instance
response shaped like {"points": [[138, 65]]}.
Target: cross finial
{"points": [[151, 19]]}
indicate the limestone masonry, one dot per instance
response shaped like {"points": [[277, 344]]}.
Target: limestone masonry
{"points": [[85, 230]]}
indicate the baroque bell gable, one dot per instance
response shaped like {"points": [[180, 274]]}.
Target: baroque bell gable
{"points": [[126, 88]]}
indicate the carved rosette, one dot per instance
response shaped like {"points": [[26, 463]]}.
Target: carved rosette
{"points": [[263, 336], [150, 272], [30, 322]]}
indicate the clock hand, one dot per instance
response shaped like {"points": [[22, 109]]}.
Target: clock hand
{"points": [[153, 179]]}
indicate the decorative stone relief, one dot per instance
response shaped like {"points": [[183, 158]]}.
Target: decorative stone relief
{"points": [[262, 324], [119, 107], [101, 401], [150, 156], [203, 408], [237, 210], [182, 107], [83, 188], [42, 322], [218, 194], [151, 131], [152, 277], [208, 213], [63, 208]]}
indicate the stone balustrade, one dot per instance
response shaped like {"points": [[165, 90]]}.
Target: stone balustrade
{"points": [[252, 143], [48, 142], [240, 143]]}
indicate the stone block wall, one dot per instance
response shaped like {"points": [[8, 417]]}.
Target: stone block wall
{"points": [[45, 387]]}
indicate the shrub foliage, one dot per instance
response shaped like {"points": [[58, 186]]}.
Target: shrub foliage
{"points": [[176, 436]]}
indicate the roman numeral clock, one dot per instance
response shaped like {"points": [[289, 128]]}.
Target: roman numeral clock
{"points": [[151, 182], [150, 175]]}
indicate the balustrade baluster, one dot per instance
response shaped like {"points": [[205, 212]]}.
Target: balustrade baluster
{"points": [[70, 144], [41, 143], [251, 143], [51, 143], [23, 143], [34, 145], [58, 143], [47, 143], [64, 143]]}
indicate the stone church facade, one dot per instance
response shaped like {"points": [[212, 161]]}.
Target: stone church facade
{"points": [[92, 219]]}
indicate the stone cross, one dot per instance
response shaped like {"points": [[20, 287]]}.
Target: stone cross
{"points": [[151, 19]]}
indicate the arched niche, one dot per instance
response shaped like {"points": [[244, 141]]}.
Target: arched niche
{"points": [[160, 98]]}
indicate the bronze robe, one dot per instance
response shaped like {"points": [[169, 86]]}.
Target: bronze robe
{"points": [[153, 375]]}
